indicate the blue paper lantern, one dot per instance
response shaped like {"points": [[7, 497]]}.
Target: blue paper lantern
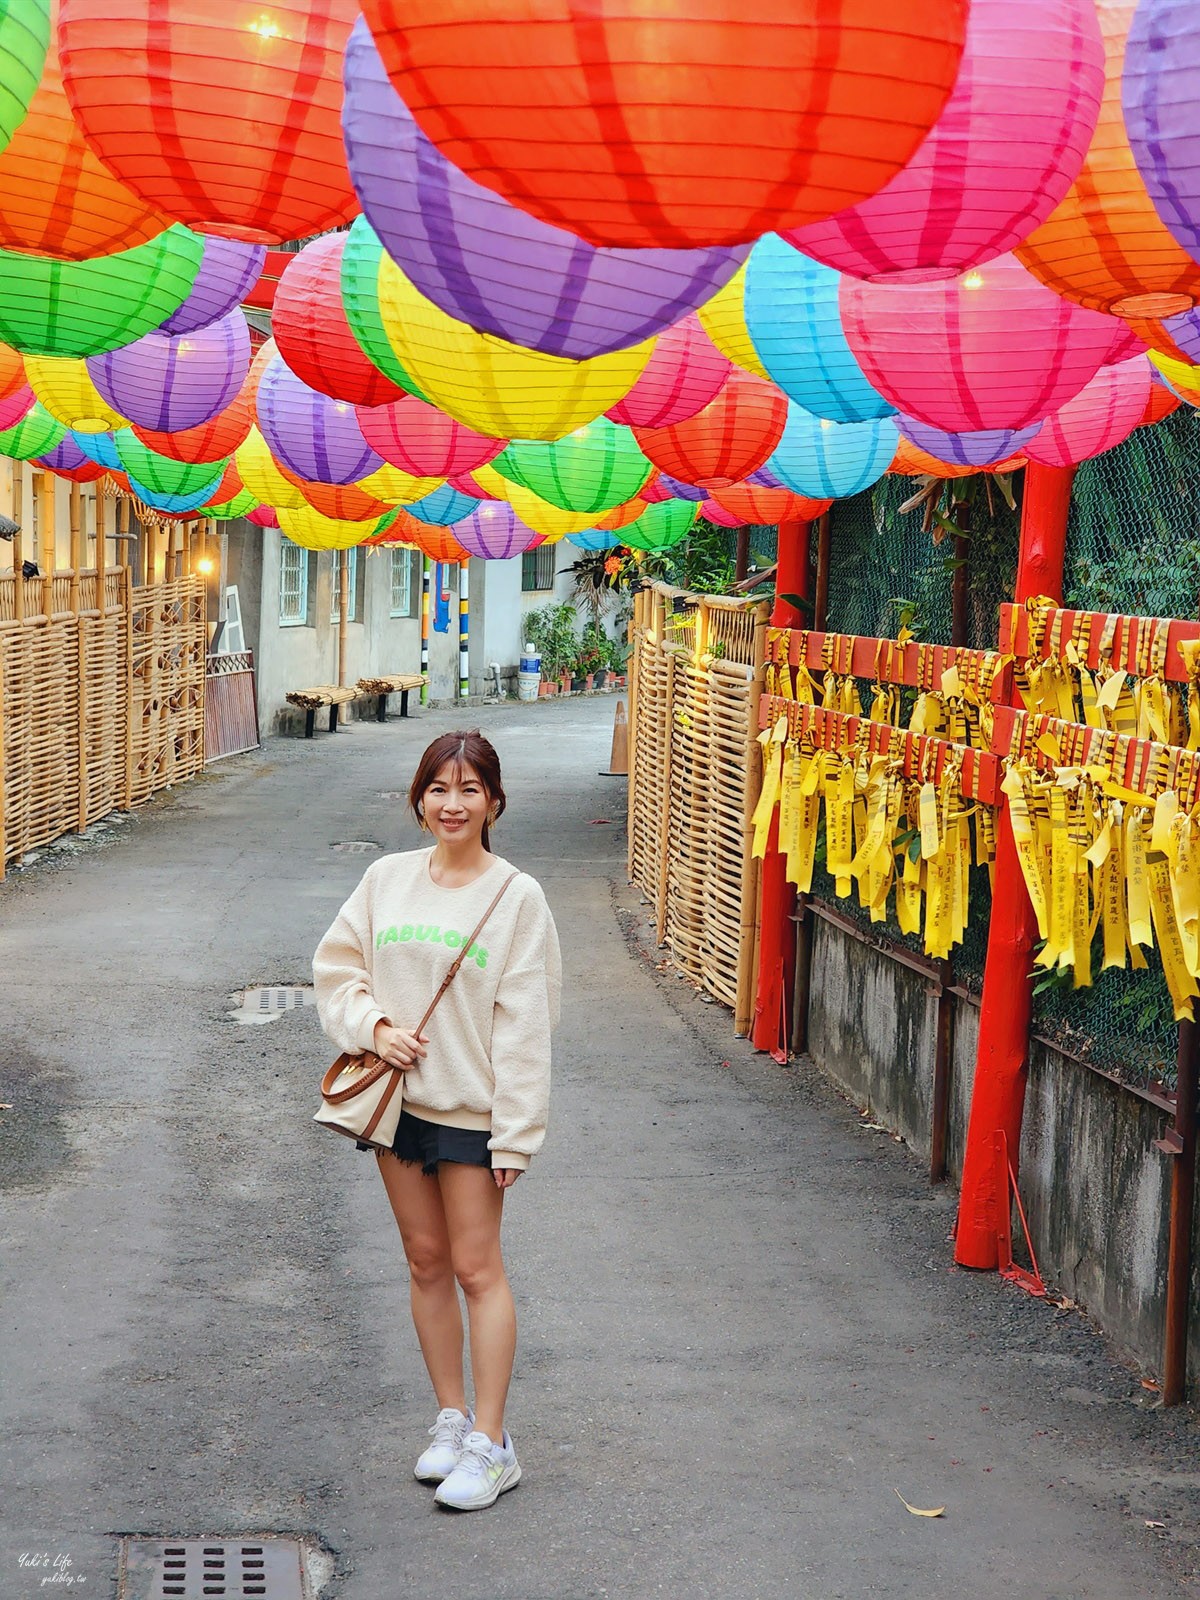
{"points": [[830, 460], [594, 539], [444, 506]]}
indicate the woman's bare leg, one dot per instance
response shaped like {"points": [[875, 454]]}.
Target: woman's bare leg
{"points": [[473, 1206], [416, 1201]]}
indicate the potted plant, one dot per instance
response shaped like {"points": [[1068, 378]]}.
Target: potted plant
{"points": [[551, 629], [618, 653], [592, 657]]}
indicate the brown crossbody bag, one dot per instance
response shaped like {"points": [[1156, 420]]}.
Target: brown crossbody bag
{"points": [[361, 1095]]}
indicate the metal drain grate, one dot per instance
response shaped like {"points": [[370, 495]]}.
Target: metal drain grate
{"points": [[356, 847], [279, 997], [230, 1569]]}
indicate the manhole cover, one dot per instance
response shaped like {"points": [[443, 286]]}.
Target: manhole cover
{"points": [[235, 1569], [357, 847], [267, 1002]]}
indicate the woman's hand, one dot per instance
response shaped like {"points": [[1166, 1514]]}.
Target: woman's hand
{"points": [[505, 1176], [398, 1047]]}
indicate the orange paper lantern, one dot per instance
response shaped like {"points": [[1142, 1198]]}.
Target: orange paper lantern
{"points": [[667, 123], [1104, 246], [235, 125], [213, 440], [768, 507], [12, 371], [726, 441], [344, 502]]}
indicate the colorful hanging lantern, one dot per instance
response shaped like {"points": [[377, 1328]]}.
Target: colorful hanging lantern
{"points": [[65, 388], [228, 271], [361, 260], [235, 127], [495, 387], [170, 383], [982, 449], [622, 516], [24, 39], [423, 440], [17, 405], [594, 539], [1160, 404], [213, 440], [344, 502], [1000, 157], [309, 528], [12, 370], [443, 506], [685, 371], [665, 487], [495, 267], [100, 448], [597, 467], [674, 126], [242, 504], [912, 462], [174, 503], [493, 531], [792, 313], [768, 507], [438, 543], [33, 435], [313, 335], [1101, 415], [159, 474], [267, 479], [552, 521], [80, 308], [396, 486], [713, 511], [318, 438], [1104, 246], [58, 199], [830, 460], [662, 526], [723, 319], [725, 441], [1159, 86], [992, 349], [68, 461], [263, 517]]}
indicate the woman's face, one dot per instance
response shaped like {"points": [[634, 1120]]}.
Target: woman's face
{"points": [[456, 804]]}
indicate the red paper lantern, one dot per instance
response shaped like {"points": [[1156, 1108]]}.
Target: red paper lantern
{"points": [[668, 124], [685, 371], [1160, 404], [726, 441], [235, 126], [768, 507], [56, 198], [313, 335]]}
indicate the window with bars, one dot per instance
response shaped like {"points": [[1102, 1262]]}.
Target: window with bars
{"points": [[354, 611], [537, 568], [403, 587], [293, 584]]}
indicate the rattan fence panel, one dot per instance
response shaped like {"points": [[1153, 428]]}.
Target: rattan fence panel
{"points": [[169, 638], [40, 710]]}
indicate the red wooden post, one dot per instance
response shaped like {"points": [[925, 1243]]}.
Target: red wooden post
{"points": [[998, 1098], [777, 897]]}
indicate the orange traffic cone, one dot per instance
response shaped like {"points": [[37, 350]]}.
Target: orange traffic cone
{"points": [[618, 761]]}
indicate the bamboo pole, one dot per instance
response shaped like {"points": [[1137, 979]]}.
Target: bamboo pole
{"points": [[43, 488], [664, 853], [127, 600], [18, 544], [81, 704], [101, 517], [172, 567]]}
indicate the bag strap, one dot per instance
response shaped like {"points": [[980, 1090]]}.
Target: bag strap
{"points": [[462, 954]]}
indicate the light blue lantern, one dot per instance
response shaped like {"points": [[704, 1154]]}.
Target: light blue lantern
{"points": [[791, 310], [830, 460], [100, 448], [594, 539], [443, 506], [176, 503]]}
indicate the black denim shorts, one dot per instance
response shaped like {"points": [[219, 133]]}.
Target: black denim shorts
{"points": [[424, 1144]]}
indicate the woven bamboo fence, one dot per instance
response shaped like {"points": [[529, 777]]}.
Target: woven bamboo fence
{"points": [[695, 681]]}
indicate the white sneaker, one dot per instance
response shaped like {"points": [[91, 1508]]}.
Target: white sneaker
{"points": [[449, 1431], [483, 1473]]}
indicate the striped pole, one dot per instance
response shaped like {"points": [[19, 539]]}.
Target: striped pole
{"points": [[426, 576], [464, 632]]}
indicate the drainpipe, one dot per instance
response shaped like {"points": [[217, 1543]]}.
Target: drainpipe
{"points": [[426, 582], [464, 631], [343, 611]]}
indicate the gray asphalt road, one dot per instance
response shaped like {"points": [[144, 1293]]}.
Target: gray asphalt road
{"points": [[741, 1333]]}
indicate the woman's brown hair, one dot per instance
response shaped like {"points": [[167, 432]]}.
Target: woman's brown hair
{"points": [[464, 750]]}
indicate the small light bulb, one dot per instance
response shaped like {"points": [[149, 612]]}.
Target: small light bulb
{"points": [[973, 280], [204, 565], [265, 28]]}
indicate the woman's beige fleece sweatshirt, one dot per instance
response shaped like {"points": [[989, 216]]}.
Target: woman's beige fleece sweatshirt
{"points": [[487, 1064]]}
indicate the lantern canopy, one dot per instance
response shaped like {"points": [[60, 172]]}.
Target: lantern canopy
{"points": [[597, 467], [318, 438], [792, 314], [235, 127], [668, 125], [314, 338], [228, 271], [991, 349], [24, 39], [661, 526], [487, 263], [1104, 245], [685, 371], [1000, 157], [728, 439], [981, 449], [493, 531], [80, 308], [1101, 415], [173, 382], [831, 460], [420, 439]]}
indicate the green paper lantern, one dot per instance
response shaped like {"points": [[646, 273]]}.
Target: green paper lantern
{"points": [[161, 474], [24, 40], [597, 467], [237, 507], [83, 308], [660, 526], [35, 434], [360, 300]]}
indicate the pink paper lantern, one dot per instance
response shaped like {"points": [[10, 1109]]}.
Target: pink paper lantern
{"points": [[1000, 157], [685, 371], [418, 438], [993, 348], [1100, 416], [14, 406], [263, 517], [715, 513]]}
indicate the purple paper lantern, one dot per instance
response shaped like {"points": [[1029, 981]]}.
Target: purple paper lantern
{"points": [[229, 269], [982, 449], [764, 478], [169, 382], [676, 489], [67, 457], [1159, 86], [492, 266], [493, 531], [318, 438]]}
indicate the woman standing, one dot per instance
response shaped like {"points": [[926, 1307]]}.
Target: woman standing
{"points": [[476, 1084]]}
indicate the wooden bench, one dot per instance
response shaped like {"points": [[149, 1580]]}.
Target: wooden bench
{"points": [[327, 694], [396, 683]]}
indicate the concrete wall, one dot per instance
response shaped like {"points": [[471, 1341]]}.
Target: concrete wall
{"points": [[1095, 1190]]}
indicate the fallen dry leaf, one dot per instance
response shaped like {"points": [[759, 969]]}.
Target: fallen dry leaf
{"points": [[916, 1510], [1151, 1524], [1149, 1383]]}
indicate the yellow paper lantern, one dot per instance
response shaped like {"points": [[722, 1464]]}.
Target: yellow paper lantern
{"points": [[1181, 375], [64, 386], [306, 526], [723, 319], [550, 521], [397, 487], [264, 477], [490, 385]]}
